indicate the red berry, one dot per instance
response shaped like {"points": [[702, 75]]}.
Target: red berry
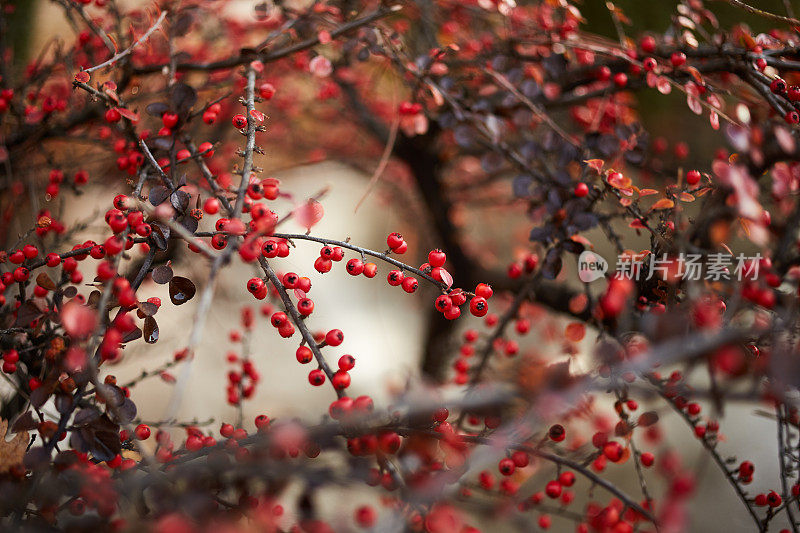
{"points": [[677, 59], [478, 306], [365, 516], [553, 489], [394, 240], [21, 274], [304, 355], [410, 285], [239, 121], [169, 119], [266, 91], [648, 459], [30, 251], [346, 362], [520, 458], [778, 86], [581, 190], [567, 479], [262, 421], [370, 270], [316, 377], [506, 466], [113, 115], [443, 303], [321, 264], [206, 149], [693, 177], [334, 337], [340, 380], [648, 44], [437, 258], [142, 432], [354, 267], [613, 451], [395, 278], [557, 433]]}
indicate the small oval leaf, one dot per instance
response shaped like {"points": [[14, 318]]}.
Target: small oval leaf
{"points": [[162, 274], [150, 330], [181, 290]]}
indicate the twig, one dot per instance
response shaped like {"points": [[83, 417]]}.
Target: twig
{"points": [[128, 50], [766, 14]]}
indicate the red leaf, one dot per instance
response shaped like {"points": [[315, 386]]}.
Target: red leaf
{"points": [[82, 77], [447, 279], [257, 115], [596, 164], [130, 115], [308, 214]]}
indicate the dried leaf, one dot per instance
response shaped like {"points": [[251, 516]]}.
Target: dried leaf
{"points": [[647, 419], [158, 194], [12, 452], [162, 274], [24, 422], [157, 109], [27, 313], [44, 281], [183, 98], [132, 336], [180, 201], [147, 308]]}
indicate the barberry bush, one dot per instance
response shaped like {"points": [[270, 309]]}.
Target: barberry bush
{"points": [[661, 270]]}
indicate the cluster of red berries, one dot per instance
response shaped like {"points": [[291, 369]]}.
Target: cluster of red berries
{"points": [[6, 95], [242, 383], [211, 113], [10, 360], [327, 255], [396, 243], [791, 98], [526, 266], [56, 178]]}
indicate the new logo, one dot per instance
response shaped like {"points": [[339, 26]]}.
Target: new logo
{"points": [[591, 266]]}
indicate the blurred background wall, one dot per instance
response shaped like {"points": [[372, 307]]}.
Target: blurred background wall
{"points": [[382, 325]]}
